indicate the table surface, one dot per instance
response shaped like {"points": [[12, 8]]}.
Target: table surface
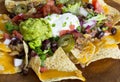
{"points": [[107, 70]]}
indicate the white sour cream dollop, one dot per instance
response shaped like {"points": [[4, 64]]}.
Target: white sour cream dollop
{"points": [[62, 22]]}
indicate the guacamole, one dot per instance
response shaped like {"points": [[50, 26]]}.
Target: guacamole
{"points": [[35, 31]]}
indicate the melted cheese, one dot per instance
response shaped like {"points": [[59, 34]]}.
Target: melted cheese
{"points": [[4, 48], [7, 62], [87, 53], [3, 19], [117, 36], [112, 39], [106, 9], [51, 74]]}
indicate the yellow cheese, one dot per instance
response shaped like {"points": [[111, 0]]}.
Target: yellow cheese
{"points": [[117, 36], [4, 48], [87, 53], [51, 74], [7, 62], [106, 9]]}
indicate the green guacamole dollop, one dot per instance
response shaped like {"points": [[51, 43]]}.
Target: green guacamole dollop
{"points": [[35, 31]]}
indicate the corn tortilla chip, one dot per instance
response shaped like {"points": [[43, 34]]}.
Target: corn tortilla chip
{"points": [[59, 67], [108, 10]]}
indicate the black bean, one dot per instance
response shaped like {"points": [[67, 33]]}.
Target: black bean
{"points": [[54, 49], [46, 41], [11, 15], [33, 53], [45, 44], [102, 26], [113, 31], [100, 34], [15, 41], [90, 6], [53, 44]]}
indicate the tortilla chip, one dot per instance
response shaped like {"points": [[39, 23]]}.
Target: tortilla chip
{"points": [[106, 51], [26, 50], [108, 10], [107, 47], [59, 67], [85, 54], [113, 39]]}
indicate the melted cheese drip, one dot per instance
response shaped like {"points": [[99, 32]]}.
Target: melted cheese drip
{"points": [[51, 74], [7, 62], [4, 48]]}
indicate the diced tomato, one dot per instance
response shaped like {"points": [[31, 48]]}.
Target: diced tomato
{"points": [[97, 6], [76, 34], [72, 27], [6, 36], [33, 53], [88, 30], [59, 6], [62, 32], [94, 3], [109, 24], [55, 9], [49, 8], [17, 34], [17, 18], [46, 10], [43, 69], [50, 2]]}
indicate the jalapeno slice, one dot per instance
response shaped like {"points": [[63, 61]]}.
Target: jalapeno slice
{"points": [[67, 42], [21, 8]]}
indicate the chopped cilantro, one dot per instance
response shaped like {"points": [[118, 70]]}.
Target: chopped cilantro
{"points": [[49, 18], [53, 25], [55, 38], [67, 18], [64, 24], [57, 16], [79, 28], [10, 27], [105, 28]]}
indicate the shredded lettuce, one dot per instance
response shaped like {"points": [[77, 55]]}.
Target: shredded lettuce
{"points": [[73, 8], [43, 54], [66, 2], [61, 1], [99, 17]]}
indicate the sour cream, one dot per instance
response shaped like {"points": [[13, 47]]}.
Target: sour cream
{"points": [[62, 22]]}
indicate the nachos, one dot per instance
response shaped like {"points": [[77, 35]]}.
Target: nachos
{"points": [[51, 36]]}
